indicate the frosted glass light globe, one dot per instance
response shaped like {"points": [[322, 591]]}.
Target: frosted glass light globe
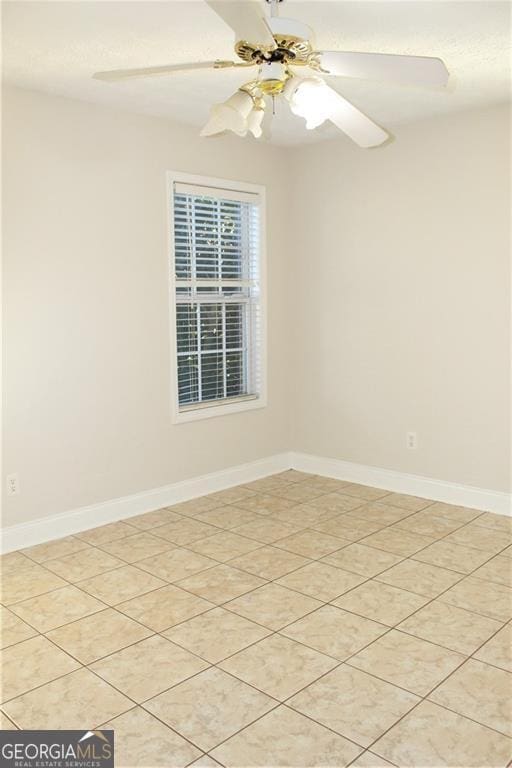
{"points": [[311, 99], [231, 115], [254, 122]]}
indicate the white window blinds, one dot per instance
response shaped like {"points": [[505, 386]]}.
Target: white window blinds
{"points": [[217, 294]]}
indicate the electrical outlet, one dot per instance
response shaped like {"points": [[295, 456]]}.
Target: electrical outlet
{"points": [[13, 484], [412, 441]]}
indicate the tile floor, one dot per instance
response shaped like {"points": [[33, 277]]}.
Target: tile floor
{"points": [[294, 621]]}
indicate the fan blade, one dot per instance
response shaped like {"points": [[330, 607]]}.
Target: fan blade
{"points": [[246, 19], [123, 74], [354, 123], [405, 70]]}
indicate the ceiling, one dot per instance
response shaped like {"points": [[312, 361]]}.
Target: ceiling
{"points": [[56, 46]]}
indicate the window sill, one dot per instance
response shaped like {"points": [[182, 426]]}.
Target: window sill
{"points": [[209, 411]]}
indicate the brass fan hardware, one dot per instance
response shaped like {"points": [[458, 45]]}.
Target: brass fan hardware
{"points": [[281, 48], [288, 49]]}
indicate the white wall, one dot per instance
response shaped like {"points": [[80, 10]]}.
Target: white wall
{"points": [[388, 268], [402, 300], [87, 367]]}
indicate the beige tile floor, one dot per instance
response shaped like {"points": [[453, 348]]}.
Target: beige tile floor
{"points": [[294, 621]]}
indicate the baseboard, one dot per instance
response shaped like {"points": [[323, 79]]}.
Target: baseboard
{"points": [[400, 482], [55, 527], [67, 523]]}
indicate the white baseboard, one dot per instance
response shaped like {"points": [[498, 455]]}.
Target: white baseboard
{"points": [[56, 526], [400, 482], [67, 523]]}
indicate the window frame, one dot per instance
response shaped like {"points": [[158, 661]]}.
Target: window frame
{"points": [[198, 411]]}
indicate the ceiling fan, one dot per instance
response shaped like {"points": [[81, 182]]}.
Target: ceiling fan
{"points": [[282, 48]]}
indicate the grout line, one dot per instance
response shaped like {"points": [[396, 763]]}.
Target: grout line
{"points": [[466, 716], [389, 630], [141, 706], [133, 565], [8, 718], [441, 682], [332, 669], [176, 582], [374, 755], [199, 672], [269, 581], [425, 698], [123, 693]]}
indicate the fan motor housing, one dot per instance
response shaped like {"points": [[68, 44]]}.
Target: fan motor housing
{"points": [[293, 44]]}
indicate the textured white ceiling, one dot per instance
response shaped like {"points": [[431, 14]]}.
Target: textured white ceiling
{"points": [[56, 46]]}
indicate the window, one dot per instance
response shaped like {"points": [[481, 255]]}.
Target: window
{"points": [[216, 282]]}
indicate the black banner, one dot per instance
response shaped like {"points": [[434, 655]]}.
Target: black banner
{"points": [[56, 749]]}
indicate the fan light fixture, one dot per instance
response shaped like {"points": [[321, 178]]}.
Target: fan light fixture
{"points": [[241, 113], [278, 47], [272, 78], [255, 119], [230, 116], [310, 98]]}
